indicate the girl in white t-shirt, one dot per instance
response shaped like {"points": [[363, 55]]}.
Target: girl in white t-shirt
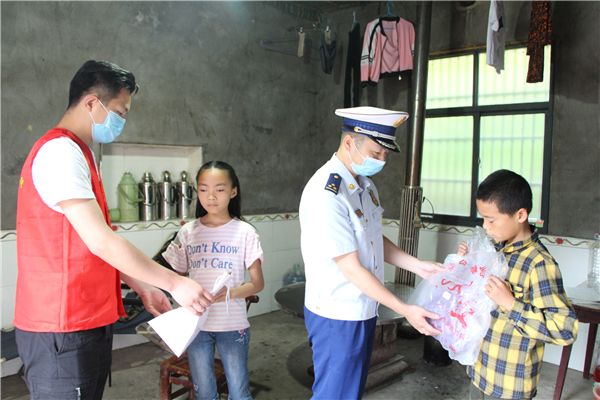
{"points": [[220, 240]]}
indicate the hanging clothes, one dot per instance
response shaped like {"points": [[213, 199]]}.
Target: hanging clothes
{"points": [[540, 34], [327, 50], [388, 48], [496, 36], [352, 81]]}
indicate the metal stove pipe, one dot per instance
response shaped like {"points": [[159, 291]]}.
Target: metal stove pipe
{"points": [[412, 192]]}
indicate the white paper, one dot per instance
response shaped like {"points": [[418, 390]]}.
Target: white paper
{"points": [[179, 327]]}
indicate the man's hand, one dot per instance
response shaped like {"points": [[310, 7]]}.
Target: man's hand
{"points": [[416, 317], [499, 291], [189, 294], [155, 300], [462, 249], [427, 268]]}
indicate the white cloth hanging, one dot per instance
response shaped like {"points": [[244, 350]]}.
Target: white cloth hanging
{"points": [[496, 36]]}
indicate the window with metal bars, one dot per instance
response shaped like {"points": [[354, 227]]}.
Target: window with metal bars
{"points": [[478, 122]]}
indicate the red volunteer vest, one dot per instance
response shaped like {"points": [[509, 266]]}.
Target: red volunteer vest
{"points": [[61, 285]]}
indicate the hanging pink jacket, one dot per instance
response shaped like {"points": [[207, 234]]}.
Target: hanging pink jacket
{"points": [[388, 47]]}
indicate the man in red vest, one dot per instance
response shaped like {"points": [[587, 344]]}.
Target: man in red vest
{"points": [[70, 261]]}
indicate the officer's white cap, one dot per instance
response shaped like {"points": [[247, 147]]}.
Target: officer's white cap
{"points": [[377, 123]]}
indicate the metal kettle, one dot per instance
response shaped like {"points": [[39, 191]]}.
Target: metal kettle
{"points": [[148, 209], [186, 193], [167, 196]]}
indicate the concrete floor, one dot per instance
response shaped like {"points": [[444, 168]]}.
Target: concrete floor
{"points": [[278, 361]]}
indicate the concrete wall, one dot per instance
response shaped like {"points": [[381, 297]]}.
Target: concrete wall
{"points": [[206, 81], [575, 159]]}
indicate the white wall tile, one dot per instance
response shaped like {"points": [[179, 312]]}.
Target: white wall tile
{"points": [[267, 267], [8, 305], [427, 248], [573, 263], [148, 241], [8, 255], [286, 235], [263, 306], [447, 243], [283, 262], [265, 232], [391, 232]]}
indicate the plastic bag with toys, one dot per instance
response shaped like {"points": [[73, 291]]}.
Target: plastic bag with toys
{"points": [[458, 296]]}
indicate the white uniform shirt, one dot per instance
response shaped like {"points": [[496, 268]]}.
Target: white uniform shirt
{"points": [[333, 225]]}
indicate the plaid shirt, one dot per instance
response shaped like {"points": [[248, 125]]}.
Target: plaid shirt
{"points": [[510, 360]]}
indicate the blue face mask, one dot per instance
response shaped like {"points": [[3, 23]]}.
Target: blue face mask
{"points": [[109, 129], [369, 167]]}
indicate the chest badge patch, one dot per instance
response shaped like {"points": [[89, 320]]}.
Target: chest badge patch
{"points": [[359, 213], [333, 184], [374, 198]]}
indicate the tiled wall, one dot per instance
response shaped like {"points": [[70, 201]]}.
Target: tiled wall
{"points": [[280, 239]]}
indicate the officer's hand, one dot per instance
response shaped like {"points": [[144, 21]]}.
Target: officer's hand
{"points": [[416, 317], [189, 294], [427, 268], [154, 300]]}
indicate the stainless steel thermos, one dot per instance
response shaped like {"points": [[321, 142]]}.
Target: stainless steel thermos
{"points": [[185, 196], [149, 206], [166, 197]]}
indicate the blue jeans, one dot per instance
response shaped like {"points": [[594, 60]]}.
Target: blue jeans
{"points": [[233, 350]]}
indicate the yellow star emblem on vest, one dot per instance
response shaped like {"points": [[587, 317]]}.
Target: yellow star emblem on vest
{"points": [[351, 186]]}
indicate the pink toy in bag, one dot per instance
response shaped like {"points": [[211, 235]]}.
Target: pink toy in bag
{"points": [[458, 296]]}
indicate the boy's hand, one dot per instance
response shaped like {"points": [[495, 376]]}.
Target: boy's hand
{"points": [[462, 249], [499, 291]]}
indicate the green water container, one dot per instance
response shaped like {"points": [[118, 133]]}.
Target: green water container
{"points": [[130, 198]]}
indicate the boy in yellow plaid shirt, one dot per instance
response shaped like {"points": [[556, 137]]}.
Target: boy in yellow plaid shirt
{"points": [[533, 308]]}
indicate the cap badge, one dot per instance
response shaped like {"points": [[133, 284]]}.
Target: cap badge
{"points": [[401, 120]]}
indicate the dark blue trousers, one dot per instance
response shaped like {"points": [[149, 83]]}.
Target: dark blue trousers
{"points": [[341, 355]]}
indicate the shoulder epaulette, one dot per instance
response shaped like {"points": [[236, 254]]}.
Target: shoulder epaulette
{"points": [[333, 184]]}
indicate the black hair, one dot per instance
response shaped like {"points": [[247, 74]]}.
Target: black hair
{"points": [[235, 204], [102, 78], [508, 190]]}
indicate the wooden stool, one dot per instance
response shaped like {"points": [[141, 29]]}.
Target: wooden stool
{"points": [[175, 368]]}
